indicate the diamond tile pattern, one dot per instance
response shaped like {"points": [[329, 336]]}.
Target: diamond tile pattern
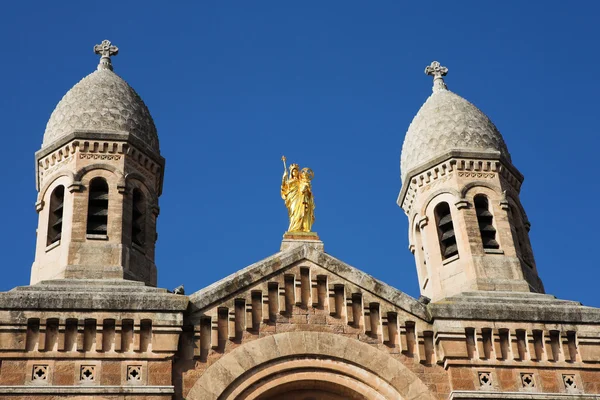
{"points": [[447, 121], [102, 101]]}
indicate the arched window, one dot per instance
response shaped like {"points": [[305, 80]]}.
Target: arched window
{"points": [[522, 243], [445, 231], [97, 220], [485, 220], [421, 257], [55, 218], [138, 215]]}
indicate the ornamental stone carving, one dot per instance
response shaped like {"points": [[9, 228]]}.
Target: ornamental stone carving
{"points": [[447, 122], [102, 101]]}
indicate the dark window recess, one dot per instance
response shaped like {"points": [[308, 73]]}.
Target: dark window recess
{"points": [[97, 220], [486, 223], [138, 215], [446, 231], [55, 218]]}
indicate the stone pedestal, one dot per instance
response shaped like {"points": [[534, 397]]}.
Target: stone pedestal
{"points": [[293, 239]]}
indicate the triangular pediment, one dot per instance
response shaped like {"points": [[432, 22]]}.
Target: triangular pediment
{"points": [[304, 276]]}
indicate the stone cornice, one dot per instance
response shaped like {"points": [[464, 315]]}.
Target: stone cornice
{"points": [[513, 306], [278, 262], [102, 147], [99, 135], [479, 163], [85, 294]]}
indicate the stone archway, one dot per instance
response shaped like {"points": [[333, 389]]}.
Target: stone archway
{"points": [[302, 364]]}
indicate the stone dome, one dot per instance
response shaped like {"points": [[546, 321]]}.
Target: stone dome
{"points": [[102, 101], [448, 122]]}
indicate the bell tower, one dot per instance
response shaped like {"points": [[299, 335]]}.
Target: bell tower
{"points": [[99, 176], [467, 228]]}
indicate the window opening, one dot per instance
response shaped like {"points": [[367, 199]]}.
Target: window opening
{"points": [[97, 221], [446, 234], [486, 223], [55, 218]]}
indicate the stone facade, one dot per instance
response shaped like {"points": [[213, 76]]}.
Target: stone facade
{"points": [[300, 324]]}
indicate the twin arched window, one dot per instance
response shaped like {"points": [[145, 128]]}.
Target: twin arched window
{"points": [[485, 219], [55, 218], [97, 218], [445, 229]]}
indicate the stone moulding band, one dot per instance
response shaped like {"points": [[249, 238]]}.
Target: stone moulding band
{"points": [[85, 390], [467, 162], [481, 395]]}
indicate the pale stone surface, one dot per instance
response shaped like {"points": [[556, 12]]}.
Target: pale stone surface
{"points": [[445, 122], [452, 154], [102, 101], [300, 322], [217, 379]]}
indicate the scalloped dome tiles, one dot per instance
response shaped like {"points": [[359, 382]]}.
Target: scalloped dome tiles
{"points": [[102, 101], [445, 122]]}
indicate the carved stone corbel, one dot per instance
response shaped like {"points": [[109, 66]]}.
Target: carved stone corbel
{"points": [[462, 203], [76, 186]]}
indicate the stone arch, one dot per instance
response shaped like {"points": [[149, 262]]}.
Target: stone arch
{"points": [[53, 178], [83, 171], [471, 185], [435, 194], [513, 201], [414, 220], [255, 369], [134, 179]]}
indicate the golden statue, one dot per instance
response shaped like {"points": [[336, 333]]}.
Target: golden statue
{"points": [[296, 191]]}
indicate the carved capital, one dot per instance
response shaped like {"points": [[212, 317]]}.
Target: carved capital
{"points": [[462, 203], [39, 206], [122, 188], [76, 186], [411, 248], [423, 222], [155, 210]]}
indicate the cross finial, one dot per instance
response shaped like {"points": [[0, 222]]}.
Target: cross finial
{"points": [[105, 50], [437, 71]]}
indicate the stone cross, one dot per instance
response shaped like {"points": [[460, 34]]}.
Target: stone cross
{"points": [[438, 72], [106, 50]]}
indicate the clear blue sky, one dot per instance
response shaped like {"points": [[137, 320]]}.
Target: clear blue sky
{"points": [[333, 85]]}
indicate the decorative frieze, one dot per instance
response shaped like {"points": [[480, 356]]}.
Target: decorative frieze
{"points": [[463, 168], [107, 151]]}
